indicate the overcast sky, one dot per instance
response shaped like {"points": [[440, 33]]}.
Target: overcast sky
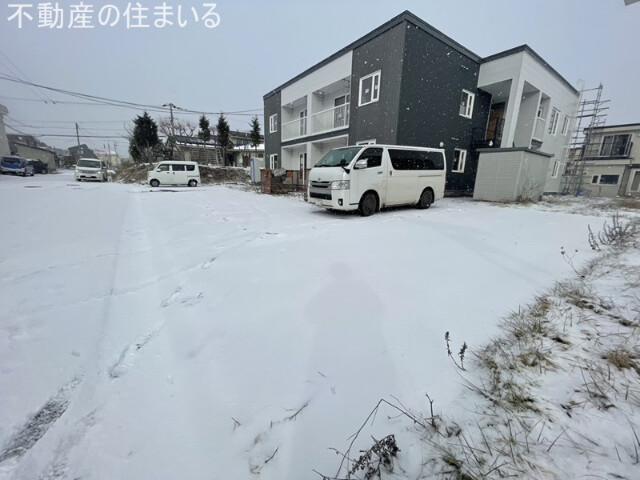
{"points": [[260, 44]]}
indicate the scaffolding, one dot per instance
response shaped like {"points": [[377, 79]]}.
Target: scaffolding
{"points": [[592, 113]]}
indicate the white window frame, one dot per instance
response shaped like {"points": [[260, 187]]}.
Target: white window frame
{"points": [[367, 142], [462, 160], [375, 93], [273, 123], [565, 125], [556, 169], [273, 161], [468, 110], [553, 121]]}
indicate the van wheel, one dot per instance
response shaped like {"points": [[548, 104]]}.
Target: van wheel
{"points": [[154, 183], [426, 199], [193, 183], [368, 204]]}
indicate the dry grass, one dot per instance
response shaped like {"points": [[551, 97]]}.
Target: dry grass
{"points": [[623, 359]]}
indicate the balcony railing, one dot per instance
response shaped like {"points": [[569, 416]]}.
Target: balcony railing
{"points": [[296, 128], [331, 119], [324, 121], [538, 130]]}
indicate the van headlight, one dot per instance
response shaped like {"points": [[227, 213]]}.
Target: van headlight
{"points": [[340, 185]]}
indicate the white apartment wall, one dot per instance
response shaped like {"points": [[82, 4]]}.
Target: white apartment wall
{"points": [[500, 70], [520, 68], [523, 67], [326, 75], [561, 97], [526, 119], [291, 156]]}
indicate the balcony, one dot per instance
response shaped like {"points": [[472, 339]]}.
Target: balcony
{"points": [[538, 130], [331, 119], [294, 129]]}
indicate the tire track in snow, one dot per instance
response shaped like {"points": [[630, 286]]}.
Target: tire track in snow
{"points": [[39, 423]]}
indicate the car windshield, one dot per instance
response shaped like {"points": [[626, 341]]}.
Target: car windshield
{"points": [[338, 157], [89, 163]]}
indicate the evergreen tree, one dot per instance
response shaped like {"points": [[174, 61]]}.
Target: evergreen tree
{"points": [[255, 133], [204, 133], [144, 143], [224, 142]]}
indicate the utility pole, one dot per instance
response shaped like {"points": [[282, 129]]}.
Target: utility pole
{"points": [[77, 134], [173, 134]]}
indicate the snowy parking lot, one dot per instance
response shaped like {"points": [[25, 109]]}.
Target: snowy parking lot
{"points": [[219, 333]]}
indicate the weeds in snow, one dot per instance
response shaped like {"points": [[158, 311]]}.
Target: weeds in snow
{"points": [[616, 234]]}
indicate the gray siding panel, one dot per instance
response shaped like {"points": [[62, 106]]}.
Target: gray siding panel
{"points": [[433, 77], [378, 120], [272, 140]]}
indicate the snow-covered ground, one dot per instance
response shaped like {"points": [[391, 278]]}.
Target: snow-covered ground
{"points": [[218, 333]]}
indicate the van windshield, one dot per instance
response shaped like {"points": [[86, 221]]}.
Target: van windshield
{"points": [[340, 156], [89, 163]]}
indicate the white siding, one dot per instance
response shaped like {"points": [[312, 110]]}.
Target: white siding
{"points": [[332, 72], [504, 176]]}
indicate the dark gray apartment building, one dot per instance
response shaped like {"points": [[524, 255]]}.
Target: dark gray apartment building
{"points": [[406, 83]]}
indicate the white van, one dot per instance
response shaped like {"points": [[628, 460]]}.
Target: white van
{"points": [[174, 173], [91, 169], [368, 178]]}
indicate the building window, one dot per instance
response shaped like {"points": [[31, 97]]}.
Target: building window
{"points": [[609, 179], [565, 125], [615, 146], [466, 103], [369, 89], [553, 123], [367, 142], [605, 179], [556, 169], [459, 160], [273, 123], [273, 161]]}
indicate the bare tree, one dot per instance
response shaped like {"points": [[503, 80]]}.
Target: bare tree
{"points": [[180, 128]]}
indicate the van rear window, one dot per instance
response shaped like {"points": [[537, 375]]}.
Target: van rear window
{"points": [[416, 160]]}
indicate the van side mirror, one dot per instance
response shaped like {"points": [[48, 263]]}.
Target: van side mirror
{"points": [[360, 164]]}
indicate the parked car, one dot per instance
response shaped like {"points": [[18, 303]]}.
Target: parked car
{"points": [[91, 169], [38, 165], [16, 166], [174, 173], [368, 178]]}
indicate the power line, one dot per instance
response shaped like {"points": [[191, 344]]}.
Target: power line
{"points": [[25, 77], [114, 102]]}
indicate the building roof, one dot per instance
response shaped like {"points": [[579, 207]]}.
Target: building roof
{"points": [[526, 48], [35, 148], [395, 21], [622, 125]]}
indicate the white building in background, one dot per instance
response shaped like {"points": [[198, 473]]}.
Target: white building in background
{"points": [[4, 143], [533, 108], [612, 162]]}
